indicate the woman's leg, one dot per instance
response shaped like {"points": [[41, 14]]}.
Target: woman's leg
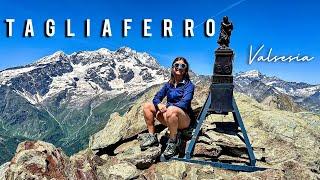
{"points": [[149, 112], [150, 139], [176, 119]]}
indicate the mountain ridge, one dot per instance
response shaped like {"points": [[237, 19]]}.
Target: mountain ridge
{"points": [[75, 92]]}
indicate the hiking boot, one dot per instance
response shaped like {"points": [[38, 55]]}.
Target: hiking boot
{"points": [[172, 148], [148, 141]]}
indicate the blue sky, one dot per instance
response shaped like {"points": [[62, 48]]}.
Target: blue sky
{"points": [[290, 27]]}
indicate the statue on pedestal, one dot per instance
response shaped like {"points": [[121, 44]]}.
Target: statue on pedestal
{"points": [[225, 33]]}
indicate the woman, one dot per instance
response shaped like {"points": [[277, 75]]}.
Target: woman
{"points": [[176, 113]]}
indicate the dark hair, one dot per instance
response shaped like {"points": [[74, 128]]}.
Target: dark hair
{"points": [[186, 75]]}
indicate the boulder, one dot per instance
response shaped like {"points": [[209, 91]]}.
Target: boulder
{"points": [[123, 170], [134, 155], [39, 160], [84, 164], [207, 150], [166, 170]]}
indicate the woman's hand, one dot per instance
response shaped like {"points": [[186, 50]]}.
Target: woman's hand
{"points": [[162, 108]]}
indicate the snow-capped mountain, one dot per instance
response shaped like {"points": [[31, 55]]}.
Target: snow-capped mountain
{"points": [[85, 73], [298, 89], [64, 98], [260, 86]]}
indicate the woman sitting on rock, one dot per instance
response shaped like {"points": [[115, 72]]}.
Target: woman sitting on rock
{"points": [[176, 113]]}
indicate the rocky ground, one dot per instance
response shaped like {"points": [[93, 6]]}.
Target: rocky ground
{"points": [[285, 142]]}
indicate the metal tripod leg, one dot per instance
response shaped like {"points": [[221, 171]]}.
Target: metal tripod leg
{"points": [[238, 120], [200, 119]]}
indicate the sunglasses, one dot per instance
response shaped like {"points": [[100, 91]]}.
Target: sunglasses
{"points": [[180, 66]]}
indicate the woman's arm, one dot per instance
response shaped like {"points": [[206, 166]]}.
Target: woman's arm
{"points": [[186, 99], [159, 96]]}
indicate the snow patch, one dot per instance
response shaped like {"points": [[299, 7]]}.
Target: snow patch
{"points": [[6, 75], [250, 74], [51, 58]]}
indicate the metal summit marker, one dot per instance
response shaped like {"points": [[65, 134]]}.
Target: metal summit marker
{"points": [[220, 101]]}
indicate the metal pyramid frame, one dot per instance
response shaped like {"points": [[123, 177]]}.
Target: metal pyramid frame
{"points": [[238, 120]]}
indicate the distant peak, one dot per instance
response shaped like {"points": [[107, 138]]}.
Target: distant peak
{"points": [[51, 58], [125, 49], [254, 71], [251, 74], [58, 53], [103, 50]]}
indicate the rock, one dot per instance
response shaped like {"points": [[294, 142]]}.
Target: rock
{"points": [[111, 134], [102, 171], [105, 157], [125, 73], [195, 171], [202, 149], [187, 171], [266, 174], [84, 163], [39, 160], [165, 170], [224, 139], [286, 170], [3, 168], [125, 170], [133, 154], [315, 166], [295, 170], [122, 170], [282, 101], [126, 146], [204, 139]]}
